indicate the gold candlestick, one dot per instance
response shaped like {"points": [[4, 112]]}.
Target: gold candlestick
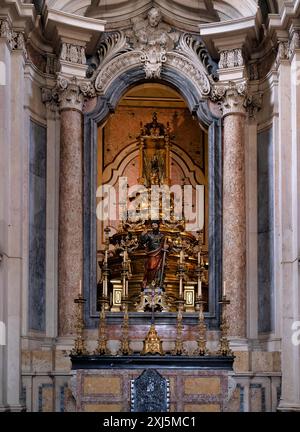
{"points": [[224, 348], [106, 236], [125, 343], [105, 275], [202, 348], [179, 349], [181, 270], [102, 348], [79, 343]]}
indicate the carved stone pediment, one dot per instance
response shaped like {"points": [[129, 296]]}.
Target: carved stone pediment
{"points": [[153, 44]]}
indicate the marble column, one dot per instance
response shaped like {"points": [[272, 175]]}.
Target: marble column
{"points": [[234, 211], [70, 234]]}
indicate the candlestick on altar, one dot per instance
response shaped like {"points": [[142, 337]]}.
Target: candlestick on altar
{"points": [[105, 275], [79, 343], [180, 287], [201, 342], [199, 288], [224, 347], [179, 348], [106, 234], [224, 289], [125, 343], [105, 287], [80, 288], [102, 348], [181, 257], [125, 274], [200, 239]]}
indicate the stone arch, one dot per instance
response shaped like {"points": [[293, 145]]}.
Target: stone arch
{"points": [[199, 107]]}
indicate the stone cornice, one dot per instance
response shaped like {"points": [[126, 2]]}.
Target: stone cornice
{"points": [[69, 27], [283, 25], [71, 37], [288, 12], [16, 22], [21, 16], [229, 35]]}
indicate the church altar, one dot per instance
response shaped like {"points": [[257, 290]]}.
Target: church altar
{"points": [[195, 384], [153, 281]]}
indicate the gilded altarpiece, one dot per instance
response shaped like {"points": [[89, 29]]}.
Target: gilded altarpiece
{"points": [[153, 141]]}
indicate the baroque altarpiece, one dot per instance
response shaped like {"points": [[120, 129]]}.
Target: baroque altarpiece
{"points": [[152, 168]]}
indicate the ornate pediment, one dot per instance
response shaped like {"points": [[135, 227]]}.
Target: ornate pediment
{"points": [[152, 44]]}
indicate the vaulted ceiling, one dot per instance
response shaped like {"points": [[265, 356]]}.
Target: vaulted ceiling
{"points": [[188, 13]]}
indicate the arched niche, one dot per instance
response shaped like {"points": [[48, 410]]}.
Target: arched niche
{"points": [[199, 107]]}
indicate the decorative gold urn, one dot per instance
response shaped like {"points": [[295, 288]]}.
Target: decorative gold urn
{"points": [[152, 343]]}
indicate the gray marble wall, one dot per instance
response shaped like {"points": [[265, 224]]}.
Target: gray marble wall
{"points": [[37, 227], [265, 231]]}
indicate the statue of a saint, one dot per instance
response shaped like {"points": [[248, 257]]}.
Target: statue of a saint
{"points": [[155, 242]]}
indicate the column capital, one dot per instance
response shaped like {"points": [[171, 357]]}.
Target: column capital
{"points": [[231, 96], [282, 52], [15, 39], [236, 98], [294, 43], [68, 93]]}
